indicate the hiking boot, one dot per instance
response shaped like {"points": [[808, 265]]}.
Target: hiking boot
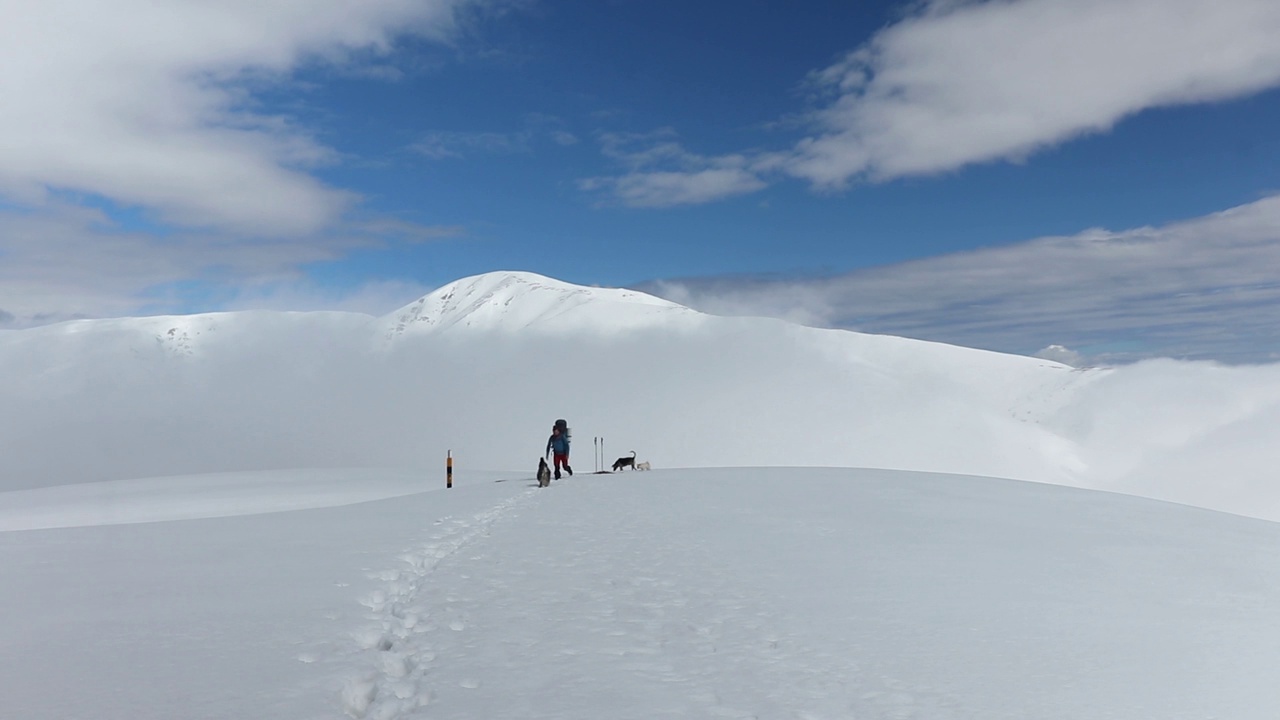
{"points": [[558, 474], [568, 470]]}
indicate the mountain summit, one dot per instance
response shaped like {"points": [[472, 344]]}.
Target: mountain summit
{"points": [[520, 301]]}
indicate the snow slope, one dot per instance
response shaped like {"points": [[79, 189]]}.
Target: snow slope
{"points": [[160, 499], [518, 301], [482, 366], [770, 593]]}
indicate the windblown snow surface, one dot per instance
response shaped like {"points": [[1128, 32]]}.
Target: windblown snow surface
{"points": [[243, 515], [770, 593]]}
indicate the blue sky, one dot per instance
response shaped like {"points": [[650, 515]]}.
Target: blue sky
{"points": [[971, 172]]}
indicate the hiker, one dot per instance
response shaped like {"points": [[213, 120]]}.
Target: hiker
{"points": [[558, 444]]}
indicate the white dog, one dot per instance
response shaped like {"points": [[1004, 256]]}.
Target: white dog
{"points": [[642, 466]]}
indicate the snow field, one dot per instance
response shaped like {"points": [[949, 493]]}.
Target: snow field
{"points": [[810, 593], [771, 593]]}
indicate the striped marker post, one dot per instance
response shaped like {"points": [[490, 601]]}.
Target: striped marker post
{"points": [[448, 470]]}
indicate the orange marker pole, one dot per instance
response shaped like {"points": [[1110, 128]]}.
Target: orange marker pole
{"points": [[448, 470]]}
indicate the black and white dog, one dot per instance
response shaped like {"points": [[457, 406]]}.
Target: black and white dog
{"points": [[625, 462], [544, 473]]}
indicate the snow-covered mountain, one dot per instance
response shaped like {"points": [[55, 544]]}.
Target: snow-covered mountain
{"points": [[521, 301], [281, 581], [482, 366]]}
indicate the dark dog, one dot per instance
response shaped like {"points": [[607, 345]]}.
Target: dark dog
{"points": [[625, 462], [544, 473]]}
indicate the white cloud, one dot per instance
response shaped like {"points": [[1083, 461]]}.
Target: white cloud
{"points": [[1204, 288], [66, 262], [562, 137], [959, 82], [966, 82], [537, 128], [146, 103], [375, 298], [150, 107], [661, 173], [441, 145], [1060, 354], [664, 189]]}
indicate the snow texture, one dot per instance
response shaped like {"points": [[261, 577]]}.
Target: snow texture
{"points": [[770, 593]]}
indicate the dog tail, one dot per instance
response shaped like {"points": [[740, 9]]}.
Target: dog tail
{"points": [[633, 454]]}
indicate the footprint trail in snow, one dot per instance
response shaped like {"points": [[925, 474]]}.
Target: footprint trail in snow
{"points": [[406, 618], [588, 606]]}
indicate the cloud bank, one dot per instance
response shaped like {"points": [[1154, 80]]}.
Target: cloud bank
{"points": [[64, 262], [464, 371], [1206, 288]]}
